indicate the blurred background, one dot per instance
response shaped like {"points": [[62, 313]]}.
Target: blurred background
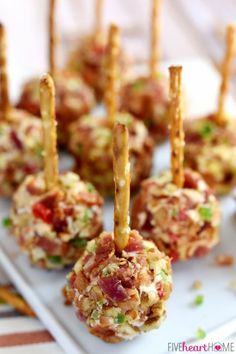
{"points": [[189, 28]]}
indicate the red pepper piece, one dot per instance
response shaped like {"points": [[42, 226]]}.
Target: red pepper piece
{"points": [[42, 212]]}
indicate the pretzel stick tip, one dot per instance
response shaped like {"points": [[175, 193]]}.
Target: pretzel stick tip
{"points": [[121, 168], [52, 38], [4, 86], [111, 93], [176, 119], [47, 105], [226, 71], [155, 37], [15, 301]]}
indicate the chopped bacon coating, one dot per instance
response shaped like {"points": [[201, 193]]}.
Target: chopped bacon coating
{"points": [[21, 149], [182, 222], [54, 227], [91, 144], [210, 149], [147, 100], [123, 294]]}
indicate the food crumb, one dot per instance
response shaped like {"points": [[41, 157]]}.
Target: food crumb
{"points": [[197, 285], [6, 222], [224, 260], [200, 333], [199, 299]]}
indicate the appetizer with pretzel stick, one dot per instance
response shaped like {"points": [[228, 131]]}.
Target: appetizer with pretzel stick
{"points": [[54, 215], [91, 139], [147, 97], [20, 135], [120, 285], [177, 209], [73, 96], [211, 140], [90, 58]]}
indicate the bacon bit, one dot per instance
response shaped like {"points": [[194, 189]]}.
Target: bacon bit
{"points": [[69, 211], [59, 219], [100, 50], [79, 282], [80, 316], [16, 140], [103, 332], [224, 260], [135, 244], [64, 292], [41, 212], [173, 237], [33, 189], [174, 256], [50, 201], [193, 138], [125, 275], [160, 291], [197, 285], [59, 225], [183, 215], [105, 246], [190, 181], [113, 288], [90, 198], [47, 245], [44, 208], [73, 280], [201, 251], [30, 169]]}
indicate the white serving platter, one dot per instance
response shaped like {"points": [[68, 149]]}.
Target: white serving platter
{"points": [[42, 289]]}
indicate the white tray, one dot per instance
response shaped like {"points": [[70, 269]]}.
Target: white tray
{"points": [[42, 289]]}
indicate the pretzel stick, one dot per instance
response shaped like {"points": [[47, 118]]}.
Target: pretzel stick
{"points": [[112, 73], [226, 71], [5, 103], [47, 105], [121, 168], [52, 38], [15, 301], [176, 118], [155, 34], [98, 17]]}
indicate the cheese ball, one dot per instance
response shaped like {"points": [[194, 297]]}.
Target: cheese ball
{"points": [[119, 296], [73, 99], [53, 227], [147, 100], [183, 223], [91, 144], [211, 150], [20, 149], [90, 61]]}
